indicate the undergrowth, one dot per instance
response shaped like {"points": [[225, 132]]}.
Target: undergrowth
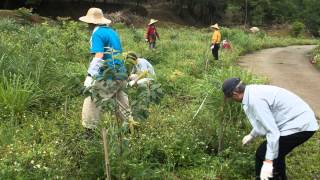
{"points": [[41, 134]]}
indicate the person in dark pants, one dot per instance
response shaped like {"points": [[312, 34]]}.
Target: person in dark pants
{"points": [[280, 115], [286, 145], [215, 42]]}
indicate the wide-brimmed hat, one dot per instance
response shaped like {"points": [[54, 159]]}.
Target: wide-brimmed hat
{"points": [[95, 16], [131, 55], [215, 26], [152, 21]]}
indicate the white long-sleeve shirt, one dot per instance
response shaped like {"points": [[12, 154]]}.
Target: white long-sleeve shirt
{"points": [[275, 112], [143, 65]]}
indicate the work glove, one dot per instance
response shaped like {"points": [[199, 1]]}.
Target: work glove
{"points": [[131, 83], [133, 77], [247, 139], [146, 40], [88, 82], [131, 124], [212, 46], [266, 171]]}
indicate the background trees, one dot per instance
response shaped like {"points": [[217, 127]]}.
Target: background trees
{"points": [[249, 12]]}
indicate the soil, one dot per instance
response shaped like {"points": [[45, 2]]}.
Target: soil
{"points": [[290, 68]]}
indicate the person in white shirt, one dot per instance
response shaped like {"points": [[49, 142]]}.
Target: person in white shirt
{"points": [[142, 71], [278, 114]]}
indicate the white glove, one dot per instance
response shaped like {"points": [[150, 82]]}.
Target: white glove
{"points": [[144, 81], [94, 66], [212, 47], [133, 76], [247, 139], [131, 83], [88, 82], [266, 171], [146, 40]]}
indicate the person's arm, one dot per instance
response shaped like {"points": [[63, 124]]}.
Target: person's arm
{"points": [[214, 37], [253, 133], [266, 119], [97, 45], [96, 48], [146, 35], [150, 68]]}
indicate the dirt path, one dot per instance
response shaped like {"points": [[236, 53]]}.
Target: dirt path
{"points": [[289, 68]]}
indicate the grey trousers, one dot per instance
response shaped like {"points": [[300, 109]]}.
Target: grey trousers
{"points": [[91, 113]]}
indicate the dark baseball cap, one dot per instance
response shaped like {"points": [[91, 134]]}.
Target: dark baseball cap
{"points": [[229, 85]]}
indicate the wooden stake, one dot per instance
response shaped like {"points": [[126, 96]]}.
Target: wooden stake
{"points": [[106, 153]]}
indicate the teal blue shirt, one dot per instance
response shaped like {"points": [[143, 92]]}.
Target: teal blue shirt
{"points": [[106, 40]]}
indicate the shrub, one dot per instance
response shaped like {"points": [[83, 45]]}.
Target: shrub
{"points": [[297, 28]]}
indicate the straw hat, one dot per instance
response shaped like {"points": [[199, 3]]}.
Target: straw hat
{"points": [[132, 55], [95, 16], [152, 21], [215, 26]]}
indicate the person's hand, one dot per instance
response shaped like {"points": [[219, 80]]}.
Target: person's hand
{"points": [[247, 139], [133, 76], [88, 82], [266, 170], [131, 83], [212, 46], [132, 123], [146, 40]]}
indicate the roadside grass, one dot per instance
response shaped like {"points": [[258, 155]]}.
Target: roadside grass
{"points": [[44, 137], [316, 57]]}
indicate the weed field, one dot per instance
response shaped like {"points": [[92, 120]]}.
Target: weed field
{"points": [[42, 70]]}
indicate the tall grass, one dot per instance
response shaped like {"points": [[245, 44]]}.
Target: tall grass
{"points": [[17, 94]]}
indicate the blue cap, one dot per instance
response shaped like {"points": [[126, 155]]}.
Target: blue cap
{"points": [[229, 85]]}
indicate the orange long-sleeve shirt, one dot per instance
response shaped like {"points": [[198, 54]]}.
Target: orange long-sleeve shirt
{"points": [[216, 37]]}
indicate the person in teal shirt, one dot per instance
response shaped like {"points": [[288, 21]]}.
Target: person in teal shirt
{"points": [[105, 45]]}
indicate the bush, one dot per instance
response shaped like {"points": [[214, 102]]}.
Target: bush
{"points": [[297, 29]]}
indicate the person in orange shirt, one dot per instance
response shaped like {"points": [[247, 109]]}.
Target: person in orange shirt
{"points": [[151, 35], [215, 42]]}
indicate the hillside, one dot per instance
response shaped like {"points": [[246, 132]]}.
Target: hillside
{"points": [[41, 135]]}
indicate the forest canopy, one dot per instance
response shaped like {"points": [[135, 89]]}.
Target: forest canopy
{"points": [[249, 12]]}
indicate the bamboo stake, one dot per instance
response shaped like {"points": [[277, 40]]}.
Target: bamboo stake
{"points": [[200, 107], [221, 130], [106, 153], [66, 107]]}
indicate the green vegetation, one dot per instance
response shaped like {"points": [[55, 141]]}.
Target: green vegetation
{"points": [[297, 28], [43, 68], [316, 57], [234, 12]]}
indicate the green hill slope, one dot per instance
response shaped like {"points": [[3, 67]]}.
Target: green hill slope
{"points": [[43, 68]]}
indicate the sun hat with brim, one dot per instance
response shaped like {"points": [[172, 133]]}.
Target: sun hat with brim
{"points": [[215, 26], [229, 85], [131, 55], [95, 16], [152, 21]]}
